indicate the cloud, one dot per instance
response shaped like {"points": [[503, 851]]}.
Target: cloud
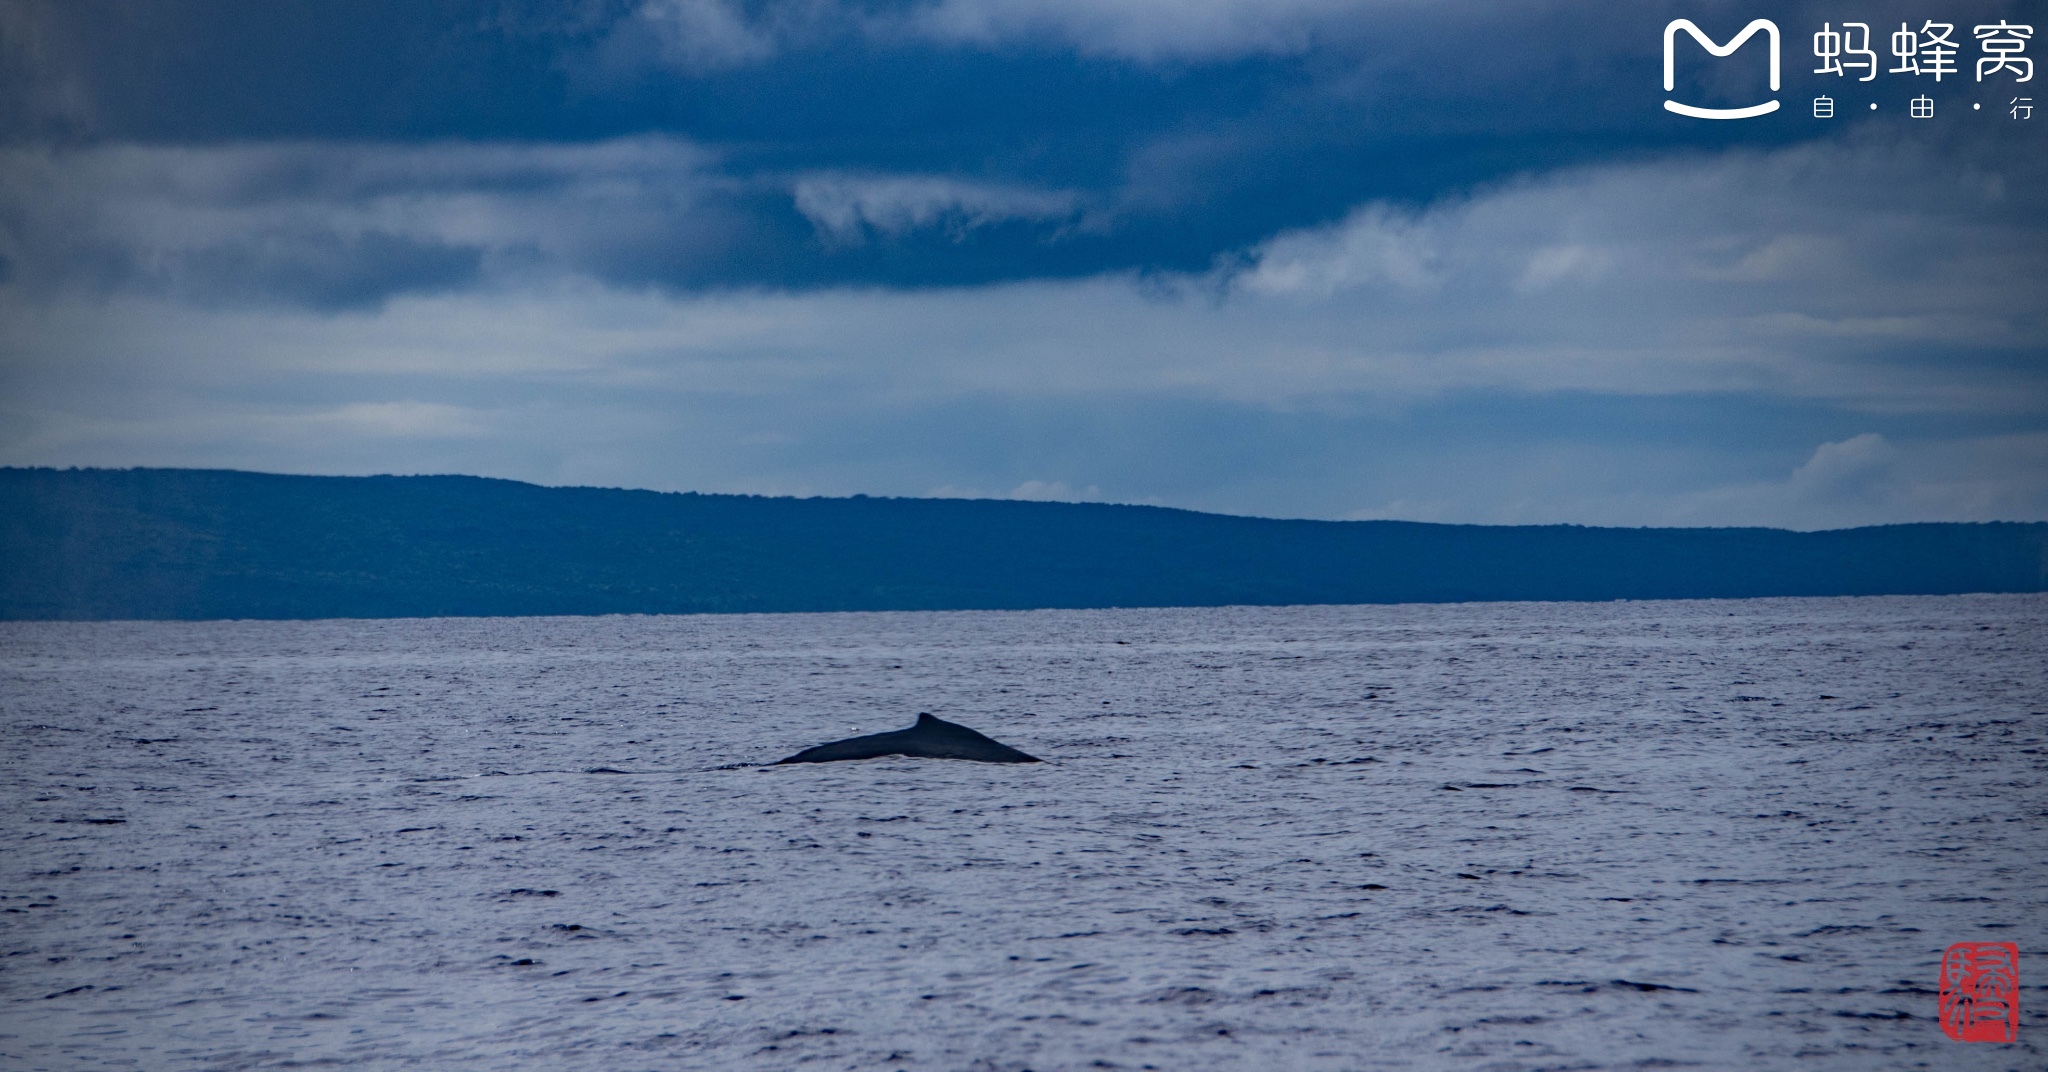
{"points": [[1899, 282], [1028, 491], [1144, 30], [401, 420], [960, 141], [698, 37], [39, 77], [1554, 265], [846, 209], [1815, 335], [1869, 479], [1744, 271], [1374, 245], [336, 226], [1851, 468], [705, 35]]}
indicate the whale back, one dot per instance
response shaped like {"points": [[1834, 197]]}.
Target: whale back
{"points": [[929, 738]]}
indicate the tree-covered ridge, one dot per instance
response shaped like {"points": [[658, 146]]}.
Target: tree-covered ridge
{"points": [[171, 543]]}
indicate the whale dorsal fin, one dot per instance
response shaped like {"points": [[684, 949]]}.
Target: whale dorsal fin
{"points": [[925, 718]]}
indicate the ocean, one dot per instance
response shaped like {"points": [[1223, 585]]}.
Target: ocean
{"points": [[1503, 837]]}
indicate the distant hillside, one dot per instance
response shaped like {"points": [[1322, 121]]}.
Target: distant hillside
{"points": [[177, 543]]}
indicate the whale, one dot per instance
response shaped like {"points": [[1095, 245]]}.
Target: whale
{"points": [[930, 738]]}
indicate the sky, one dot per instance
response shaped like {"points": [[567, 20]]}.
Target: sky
{"points": [[1438, 261]]}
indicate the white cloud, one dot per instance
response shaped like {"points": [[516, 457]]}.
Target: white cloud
{"points": [[847, 208], [1028, 491], [705, 35], [1868, 479], [1736, 273], [1373, 246], [406, 419], [1146, 30], [1053, 491], [1553, 265], [1848, 469]]}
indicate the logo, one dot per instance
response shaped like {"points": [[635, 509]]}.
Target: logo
{"points": [[1749, 31], [1980, 992]]}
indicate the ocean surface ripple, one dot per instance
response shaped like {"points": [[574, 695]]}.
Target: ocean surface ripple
{"points": [[1502, 837]]}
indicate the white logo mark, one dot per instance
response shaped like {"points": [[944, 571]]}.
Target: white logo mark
{"points": [[1671, 79]]}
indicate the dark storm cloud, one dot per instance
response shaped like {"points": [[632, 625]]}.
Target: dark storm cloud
{"points": [[943, 142], [334, 226], [1429, 260]]}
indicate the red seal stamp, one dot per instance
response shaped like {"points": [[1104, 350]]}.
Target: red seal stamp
{"points": [[1980, 992]]}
